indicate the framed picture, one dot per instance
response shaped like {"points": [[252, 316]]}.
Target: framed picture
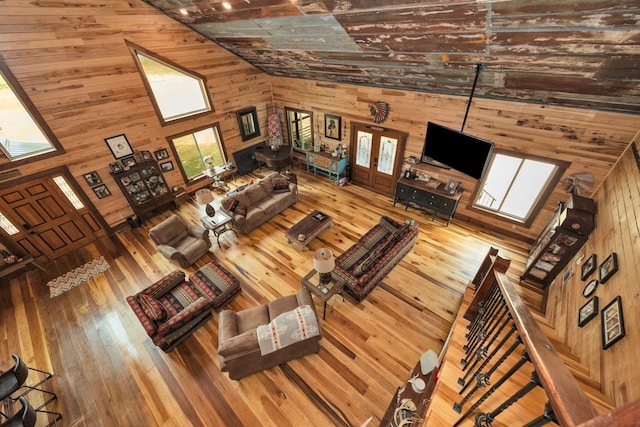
{"points": [[590, 288], [332, 126], [248, 123], [92, 178], [588, 311], [608, 268], [567, 274], [612, 323], [589, 266], [166, 166], [146, 155], [119, 146], [101, 191], [161, 154], [116, 167], [128, 162]]}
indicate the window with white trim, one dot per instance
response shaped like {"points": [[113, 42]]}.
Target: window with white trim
{"points": [[515, 185]]}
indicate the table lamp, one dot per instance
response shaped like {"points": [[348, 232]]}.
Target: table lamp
{"points": [[204, 197], [324, 263], [208, 160]]}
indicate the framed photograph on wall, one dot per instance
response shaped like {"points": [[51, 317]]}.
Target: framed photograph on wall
{"points": [[612, 323], [332, 126], [161, 154], [101, 191], [146, 155], [608, 268], [166, 166], [588, 311], [92, 178], [128, 162], [116, 167], [119, 146], [248, 123], [589, 267]]}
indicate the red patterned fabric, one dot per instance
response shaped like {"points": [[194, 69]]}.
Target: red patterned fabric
{"points": [[151, 307], [273, 125]]}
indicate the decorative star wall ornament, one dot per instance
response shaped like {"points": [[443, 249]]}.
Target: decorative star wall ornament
{"points": [[379, 111]]}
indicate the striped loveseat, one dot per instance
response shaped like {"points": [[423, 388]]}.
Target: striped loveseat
{"points": [[367, 262]]}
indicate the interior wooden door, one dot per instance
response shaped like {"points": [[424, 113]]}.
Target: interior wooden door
{"points": [[45, 219], [376, 157]]}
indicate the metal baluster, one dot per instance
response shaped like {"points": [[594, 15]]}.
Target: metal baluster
{"points": [[491, 326], [482, 380], [484, 419], [479, 332], [524, 359], [495, 350], [484, 350], [546, 417], [481, 308]]}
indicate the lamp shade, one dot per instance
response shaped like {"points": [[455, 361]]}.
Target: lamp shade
{"points": [[204, 196], [323, 261]]}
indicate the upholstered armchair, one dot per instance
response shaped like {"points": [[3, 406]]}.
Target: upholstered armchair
{"points": [[171, 309], [181, 243]]}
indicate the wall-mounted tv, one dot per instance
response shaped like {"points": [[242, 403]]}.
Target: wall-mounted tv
{"points": [[448, 147]]}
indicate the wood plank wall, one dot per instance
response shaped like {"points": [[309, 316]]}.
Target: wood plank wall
{"points": [[73, 62], [617, 230], [591, 140]]}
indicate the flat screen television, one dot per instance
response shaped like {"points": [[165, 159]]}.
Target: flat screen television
{"points": [[445, 147]]}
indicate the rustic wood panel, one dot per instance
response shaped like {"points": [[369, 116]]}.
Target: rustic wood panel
{"points": [[73, 63], [591, 140], [617, 230]]}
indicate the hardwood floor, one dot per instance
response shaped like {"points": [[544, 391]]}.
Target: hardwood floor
{"points": [[108, 372]]}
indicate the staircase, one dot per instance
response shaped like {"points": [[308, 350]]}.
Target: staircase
{"points": [[530, 407]]}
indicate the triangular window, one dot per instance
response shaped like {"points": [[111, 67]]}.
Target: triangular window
{"points": [[176, 92], [22, 133]]}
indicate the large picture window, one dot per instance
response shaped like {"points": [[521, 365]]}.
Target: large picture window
{"points": [[198, 151], [515, 185], [22, 130], [176, 92]]}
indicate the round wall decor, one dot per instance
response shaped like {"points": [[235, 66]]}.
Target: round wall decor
{"points": [[590, 288]]}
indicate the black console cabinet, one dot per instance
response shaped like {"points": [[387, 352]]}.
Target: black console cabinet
{"points": [[437, 201]]}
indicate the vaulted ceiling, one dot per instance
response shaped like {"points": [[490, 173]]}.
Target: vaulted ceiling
{"points": [[581, 53]]}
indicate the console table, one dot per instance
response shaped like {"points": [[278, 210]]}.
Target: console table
{"points": [[325, 162], [437, 201]]}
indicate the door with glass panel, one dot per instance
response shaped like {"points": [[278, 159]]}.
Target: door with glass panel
{"points": [[376, 157], [45, 217]]}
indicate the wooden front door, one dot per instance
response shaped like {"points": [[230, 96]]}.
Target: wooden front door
{"points": [[47, 222], [376, 157]]}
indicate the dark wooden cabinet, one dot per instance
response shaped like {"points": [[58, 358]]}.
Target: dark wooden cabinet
{"points": [[435, 200], [561, 239], [145, 188]]}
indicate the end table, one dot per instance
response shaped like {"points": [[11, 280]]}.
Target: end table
{"points": [[312, 282]]}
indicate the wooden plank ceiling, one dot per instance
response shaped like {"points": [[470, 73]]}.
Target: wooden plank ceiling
{"points": [[579, 53]]}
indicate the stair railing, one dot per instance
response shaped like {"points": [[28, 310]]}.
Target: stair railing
{"points": [[504, 340]]}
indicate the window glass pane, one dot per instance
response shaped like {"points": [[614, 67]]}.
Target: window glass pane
{"points": [[20, 136], [193, 148], [363, 149], [513, 185], [301, 129], [66, 189], [7, 226], [387, 154], [530, 181], [177, 94], [498, 180]]}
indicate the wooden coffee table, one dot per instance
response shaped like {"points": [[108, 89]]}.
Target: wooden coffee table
{"points": [[308, 227]]}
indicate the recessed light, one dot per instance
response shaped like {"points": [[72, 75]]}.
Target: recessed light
{"points": [[184, 11], [226, 5]]}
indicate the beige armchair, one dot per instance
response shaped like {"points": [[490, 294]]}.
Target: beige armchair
{"points": [[181, 243]]}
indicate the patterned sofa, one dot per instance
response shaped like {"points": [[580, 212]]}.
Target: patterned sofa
{"points": [[367, 262], [259, 202]]}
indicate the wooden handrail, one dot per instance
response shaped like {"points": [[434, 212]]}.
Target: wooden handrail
{"points": [[570, 404], [626, 415]]}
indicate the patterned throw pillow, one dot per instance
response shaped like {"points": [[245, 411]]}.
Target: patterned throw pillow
{"points": [[152, 308], [280, 185], [234, 205], [242, 212]]}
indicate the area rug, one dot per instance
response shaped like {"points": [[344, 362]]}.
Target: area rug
{"points": [[77, 276]]}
